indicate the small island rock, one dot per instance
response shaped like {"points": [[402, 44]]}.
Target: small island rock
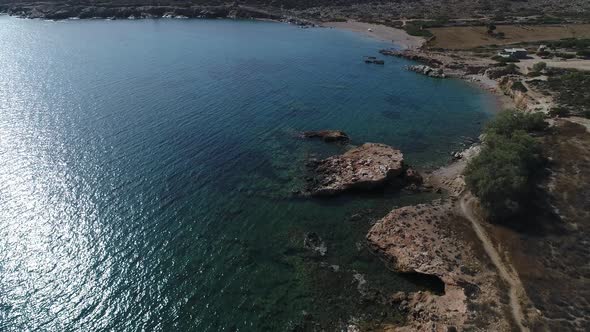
{"points": [[365, 167]]}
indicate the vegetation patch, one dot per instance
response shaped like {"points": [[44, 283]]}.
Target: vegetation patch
{"points": [[501, 176], [573, 91], [518, 86], [570, 43]]}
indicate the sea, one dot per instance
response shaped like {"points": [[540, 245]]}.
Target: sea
{"points": [[149, 172]]}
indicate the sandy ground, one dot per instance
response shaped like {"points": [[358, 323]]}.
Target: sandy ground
{"points": [[470, 37], [381, 32], [579, 64]]}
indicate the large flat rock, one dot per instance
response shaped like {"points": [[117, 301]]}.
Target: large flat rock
{"points": [[365, 167]]}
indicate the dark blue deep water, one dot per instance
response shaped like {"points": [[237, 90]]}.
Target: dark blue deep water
{"points": [[146, 172]]}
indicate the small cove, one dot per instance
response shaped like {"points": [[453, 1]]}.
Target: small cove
{"points": [[148, 168]]}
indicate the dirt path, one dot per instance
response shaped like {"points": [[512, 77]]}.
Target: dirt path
{"points": [[507, 273]]}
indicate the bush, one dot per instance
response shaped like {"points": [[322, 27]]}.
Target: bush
{"points": [[583, 54], [501, 175], [565, 55], [539, 67], [559, 112], [570, 43], [507, 122], [518, 86], [502, 59], [497, 72]]}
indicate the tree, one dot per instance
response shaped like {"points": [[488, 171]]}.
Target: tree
{"points": [[509, 121], [501, 175]]}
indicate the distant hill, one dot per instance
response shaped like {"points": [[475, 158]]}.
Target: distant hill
{"points": [[316, 10]]}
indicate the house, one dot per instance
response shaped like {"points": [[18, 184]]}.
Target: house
{"points": [[516, 53]]}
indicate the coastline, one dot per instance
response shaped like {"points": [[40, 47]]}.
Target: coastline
{"points": [[381, 32], [411, 239], [445, 211]]}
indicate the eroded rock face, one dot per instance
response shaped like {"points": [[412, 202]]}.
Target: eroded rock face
{"points": [[432, 239], [365, 167], [327, 135]]}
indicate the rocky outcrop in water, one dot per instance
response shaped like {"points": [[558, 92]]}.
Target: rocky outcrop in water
{"points": [[313, 242], [427, 70], [327, 135], [374, 60], [366, 167]]}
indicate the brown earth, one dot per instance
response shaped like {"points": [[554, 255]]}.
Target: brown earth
{"points": [[471, 37], [549, 249]]}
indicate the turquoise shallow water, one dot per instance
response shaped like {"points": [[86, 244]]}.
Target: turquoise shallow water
{"points": [[146, 171]]}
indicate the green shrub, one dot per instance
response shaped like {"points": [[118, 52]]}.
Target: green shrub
{"points": [[565, 55], [539, 67], [502, 59], [559, 112], [518, 86], [583, 54], [507, 122], [501, 176], [570, 43]]}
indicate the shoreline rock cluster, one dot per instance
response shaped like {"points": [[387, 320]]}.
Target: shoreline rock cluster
{"points": [[427, 70]]}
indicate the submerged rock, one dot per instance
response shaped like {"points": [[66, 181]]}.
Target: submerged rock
{"points": [[372, 59], [328, 135], [375, 61], [365, 167], [314, 242]]}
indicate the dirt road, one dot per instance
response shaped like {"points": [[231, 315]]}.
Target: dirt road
{"points": [[506, 272]]}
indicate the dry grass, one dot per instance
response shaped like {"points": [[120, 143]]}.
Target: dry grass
{"points": [[471, 37]]}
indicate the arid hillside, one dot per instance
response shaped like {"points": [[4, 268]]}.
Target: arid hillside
{"points": [[387, 12]]}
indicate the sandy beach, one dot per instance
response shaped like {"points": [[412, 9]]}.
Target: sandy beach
{"points": [[381, 32]]}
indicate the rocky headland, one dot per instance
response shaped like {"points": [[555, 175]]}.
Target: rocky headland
{"points": [[369, 166], [434, 239]]}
